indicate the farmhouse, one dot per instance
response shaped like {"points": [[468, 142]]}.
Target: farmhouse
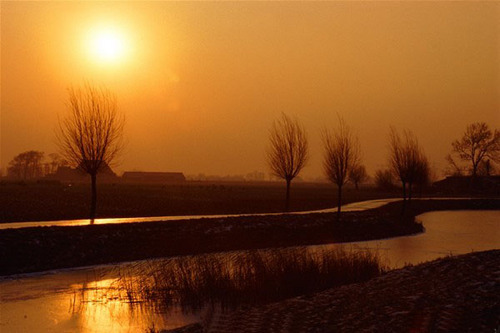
{"points": [[68, 174], [466, 184]]}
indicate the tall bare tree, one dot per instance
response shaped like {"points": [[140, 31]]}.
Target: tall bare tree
{"points": [[341, 154], [477, 144], [90, 136], [407, 160], [288, 151]]}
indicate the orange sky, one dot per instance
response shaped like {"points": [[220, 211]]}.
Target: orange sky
{"points": [[201, 82]]}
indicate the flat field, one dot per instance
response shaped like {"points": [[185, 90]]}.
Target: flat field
{"points": [[43, 202]]}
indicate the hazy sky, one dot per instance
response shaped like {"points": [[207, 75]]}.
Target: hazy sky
{"points": [[201, 82]]}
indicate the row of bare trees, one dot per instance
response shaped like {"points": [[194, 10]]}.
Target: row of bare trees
{"points": [[33, 164], [91, 136], [288, 154]]}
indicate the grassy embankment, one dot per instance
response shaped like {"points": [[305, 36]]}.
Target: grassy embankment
{"points": [[42, 248]]}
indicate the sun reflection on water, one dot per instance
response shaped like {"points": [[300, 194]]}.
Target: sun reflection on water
{"points": [[96, 303]]}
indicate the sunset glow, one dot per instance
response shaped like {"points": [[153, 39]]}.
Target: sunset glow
{"points": [[166, 164], [202, 81], [107, 46]]}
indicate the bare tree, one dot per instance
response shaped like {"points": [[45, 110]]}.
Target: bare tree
{"points": [[341, 154], [288, 151], [477, 143], [422, 175], [407, 160], [384, 180], [358, 175], [90, 136], [55, 162], [453, 169], [486, 168], [27, 165]]}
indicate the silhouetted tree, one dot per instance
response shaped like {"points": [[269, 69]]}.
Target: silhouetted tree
{"points": [[55, 162], [90, 136], [485, 168], [27, 165], [422, 175], [453, 168], [358, 175], [288, 151], [384, 179], [341, 155], [407, 160], [477, 143]]}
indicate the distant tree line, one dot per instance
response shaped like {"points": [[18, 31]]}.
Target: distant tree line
{"points": [[288, 152], [33, 164]]}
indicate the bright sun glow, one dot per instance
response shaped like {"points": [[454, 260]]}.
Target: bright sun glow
{"points": [[108, 46]]}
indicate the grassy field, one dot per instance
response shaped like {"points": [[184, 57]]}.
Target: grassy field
{"points": [[42, 202]]}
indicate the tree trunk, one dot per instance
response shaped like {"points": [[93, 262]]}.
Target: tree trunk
{"points": [[93, 201], [410, 185], [356, 186], [339, 201], [404, 199], [404, 191], [287, 200]]}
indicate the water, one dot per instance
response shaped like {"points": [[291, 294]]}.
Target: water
{"points": [[446, 233], [352, 207], [58, 301]]}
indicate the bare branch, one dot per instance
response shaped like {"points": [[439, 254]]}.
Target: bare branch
{"points": [[477, 143], [91, 134], [288, 150], [342, 153], [407, 160]]}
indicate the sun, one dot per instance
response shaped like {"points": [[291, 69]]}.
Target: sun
{"points": [[107, 45]]}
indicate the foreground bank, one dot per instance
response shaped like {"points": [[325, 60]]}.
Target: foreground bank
{"points": [[42, 248], [454, 294]]}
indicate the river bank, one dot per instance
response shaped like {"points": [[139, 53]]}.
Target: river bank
{"points": [[454, 294], [42, 248]]}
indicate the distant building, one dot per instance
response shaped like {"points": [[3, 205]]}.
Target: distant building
{"points": [[68, 174], [465, 184], [153, 177]]}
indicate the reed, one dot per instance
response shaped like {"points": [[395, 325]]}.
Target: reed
{"points": [[229, 280]]}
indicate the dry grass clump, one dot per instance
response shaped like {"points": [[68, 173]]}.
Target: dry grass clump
{"points": [[247, 277]]}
